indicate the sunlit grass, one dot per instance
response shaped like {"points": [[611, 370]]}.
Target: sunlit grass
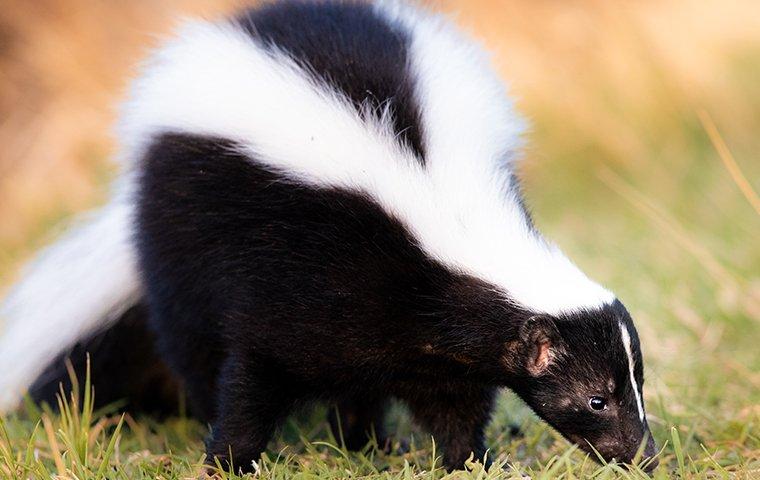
{"points": [[79, 443], [643, 165]]}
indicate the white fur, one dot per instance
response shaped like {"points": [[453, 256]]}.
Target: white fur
{"points": [[214, 80], [627, 345], [74, 288]]}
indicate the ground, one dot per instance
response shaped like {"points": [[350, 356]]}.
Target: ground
{"points": [[642, 163]]}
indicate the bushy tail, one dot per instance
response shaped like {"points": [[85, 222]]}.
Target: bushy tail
{"points": [[78, 286]]}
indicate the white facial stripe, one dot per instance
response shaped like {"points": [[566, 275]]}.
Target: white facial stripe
{"points": [[214, 80], [627, 345]]}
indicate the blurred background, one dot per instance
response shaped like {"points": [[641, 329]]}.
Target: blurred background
{"points": [[643, 163]]}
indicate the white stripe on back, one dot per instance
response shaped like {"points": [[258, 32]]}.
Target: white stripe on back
{"points": [[213, 79]]}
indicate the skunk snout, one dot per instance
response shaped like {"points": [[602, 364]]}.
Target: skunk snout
{"points": [[626, 453], [649, 460], [651, 465]]}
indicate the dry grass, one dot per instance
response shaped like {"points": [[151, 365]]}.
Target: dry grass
{"points": [[652, 197]]}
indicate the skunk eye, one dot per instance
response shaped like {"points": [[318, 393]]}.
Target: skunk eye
{"points": [[597, 403]]}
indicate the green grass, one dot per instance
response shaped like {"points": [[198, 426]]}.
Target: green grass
{"points": [[641, 200], [83, 444], [688, 280]]}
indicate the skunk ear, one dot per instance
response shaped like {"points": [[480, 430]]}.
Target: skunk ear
{"points": [[541, 340]]}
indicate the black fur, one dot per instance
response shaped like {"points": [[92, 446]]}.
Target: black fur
{"points": [[271, 294], [348, 46], [266, 294], [123, 365], [591, 361]]}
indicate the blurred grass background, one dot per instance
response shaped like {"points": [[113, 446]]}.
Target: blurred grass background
{"points": [[628, 100]]}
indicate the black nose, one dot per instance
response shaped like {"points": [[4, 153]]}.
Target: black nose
{"points": [[650, 463], [649, 460]]}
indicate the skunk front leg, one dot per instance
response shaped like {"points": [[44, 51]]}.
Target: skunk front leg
{"points": [[253, 400], [457, 418]]}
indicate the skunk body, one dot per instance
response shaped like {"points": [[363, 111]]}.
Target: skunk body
{"points": [[319, 203]]}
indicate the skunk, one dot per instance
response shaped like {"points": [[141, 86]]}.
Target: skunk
{"points": [[318, 202]]}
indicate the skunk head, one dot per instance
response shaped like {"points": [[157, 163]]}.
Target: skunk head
{"points": [[582, 373]]}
